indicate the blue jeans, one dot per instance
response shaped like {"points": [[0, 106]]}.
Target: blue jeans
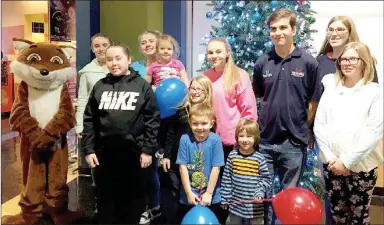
{"points": [[287, 160], [154, 196]]}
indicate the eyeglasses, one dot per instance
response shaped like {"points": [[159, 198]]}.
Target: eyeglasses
{"points": [[351, 61], [339, 30], [196, 90]]}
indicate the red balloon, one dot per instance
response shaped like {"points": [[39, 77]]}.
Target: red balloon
{"points": [[297, 206]]}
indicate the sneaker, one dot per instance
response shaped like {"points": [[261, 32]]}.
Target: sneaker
{"points": [[150, 215]]}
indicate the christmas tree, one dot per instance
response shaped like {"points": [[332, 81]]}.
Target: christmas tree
{"points": [[243, 24]]}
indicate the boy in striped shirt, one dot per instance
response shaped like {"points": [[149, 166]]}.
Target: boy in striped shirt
{"points": [[245, 177]]}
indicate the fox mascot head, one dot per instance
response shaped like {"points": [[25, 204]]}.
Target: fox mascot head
{"points": [[42, 65]]}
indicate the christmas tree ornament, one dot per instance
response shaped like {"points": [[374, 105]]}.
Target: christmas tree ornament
{"points": [[256, 16], [249, 37], [219, 4], [209, 15], [274, 4], [312, 20], [241, 3]]}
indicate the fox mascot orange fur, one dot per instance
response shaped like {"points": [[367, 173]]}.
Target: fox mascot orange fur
{"points": [[42, 113]]}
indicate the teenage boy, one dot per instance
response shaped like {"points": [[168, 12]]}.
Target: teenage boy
{"points": [[286, 80]]}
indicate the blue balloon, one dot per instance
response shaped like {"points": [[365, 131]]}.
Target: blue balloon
{"points": [[200, 215], [169, 95]]}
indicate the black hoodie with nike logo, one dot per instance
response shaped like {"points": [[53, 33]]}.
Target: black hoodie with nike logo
{"points": [[121, 115]]}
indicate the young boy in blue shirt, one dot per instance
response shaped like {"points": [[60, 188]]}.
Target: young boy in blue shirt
{"points": [[200, 157]]}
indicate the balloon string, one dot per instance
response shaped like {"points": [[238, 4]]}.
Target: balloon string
{"points": [[251, 200], [201, 169]]}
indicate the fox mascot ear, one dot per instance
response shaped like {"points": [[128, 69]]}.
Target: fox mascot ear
{"points": [[20, 44], [68, 50]]}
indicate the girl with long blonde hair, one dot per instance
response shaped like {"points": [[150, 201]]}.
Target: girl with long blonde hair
{"points": [[232, 92]]}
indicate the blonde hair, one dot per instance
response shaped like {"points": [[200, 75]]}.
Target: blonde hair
{"points": [[201, 110], [206, 83], [349, 24], [366, 59], [170, 39], [231, 71], [156, 33], [249, 126], [283, 13]]}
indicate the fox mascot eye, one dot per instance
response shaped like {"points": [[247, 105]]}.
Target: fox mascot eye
{"points": [[57, 60], [33, 58]]}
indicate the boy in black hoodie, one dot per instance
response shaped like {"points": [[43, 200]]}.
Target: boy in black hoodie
{"points": [[121, 123]]}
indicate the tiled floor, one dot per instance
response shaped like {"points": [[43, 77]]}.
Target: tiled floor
{"points": [[80, 190]]}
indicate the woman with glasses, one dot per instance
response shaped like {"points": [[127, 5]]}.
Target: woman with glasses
{"points": [[348, 129], [340, 31]]}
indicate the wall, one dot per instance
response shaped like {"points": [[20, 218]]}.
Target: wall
{"points": [[201, 27], [125, 20], [6, 38], [39, 18], [14, 15], [12, 12], [368, 16]]}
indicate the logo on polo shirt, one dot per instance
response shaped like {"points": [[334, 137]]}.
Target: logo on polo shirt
{"points": [[267, 74], [297, 73]]}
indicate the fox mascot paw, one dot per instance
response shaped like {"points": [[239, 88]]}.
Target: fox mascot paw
{"points": [[42, 113]]}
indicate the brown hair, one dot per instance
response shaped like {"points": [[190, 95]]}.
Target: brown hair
{"points": [[123, 46], [100, 35], [366, 59], [283, 13], [349, 24], [201, 110], [249, 126], [172, 40], [231, 71]]}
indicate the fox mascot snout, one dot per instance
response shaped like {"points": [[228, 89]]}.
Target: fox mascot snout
{"points": [[42, 113]]}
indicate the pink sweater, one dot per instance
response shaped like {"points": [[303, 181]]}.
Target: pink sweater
{"points": [[230, 108]]}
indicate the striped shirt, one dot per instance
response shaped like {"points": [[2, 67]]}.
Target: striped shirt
{"points": [[245, 177]]}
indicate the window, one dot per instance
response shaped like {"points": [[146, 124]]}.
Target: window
{"points": [[37, 27]]}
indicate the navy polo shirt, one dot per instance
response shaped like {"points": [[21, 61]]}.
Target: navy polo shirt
{"points": [[286, 86]]}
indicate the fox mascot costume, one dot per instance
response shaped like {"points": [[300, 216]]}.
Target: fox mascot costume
{"points": [[43, 113]]}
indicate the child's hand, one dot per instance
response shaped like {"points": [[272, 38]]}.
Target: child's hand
{"points": [[92, 160], [145, 160], [206, 199], [259, 200], [224, 206], [153, 88], [192, 198], [166, 164]]}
